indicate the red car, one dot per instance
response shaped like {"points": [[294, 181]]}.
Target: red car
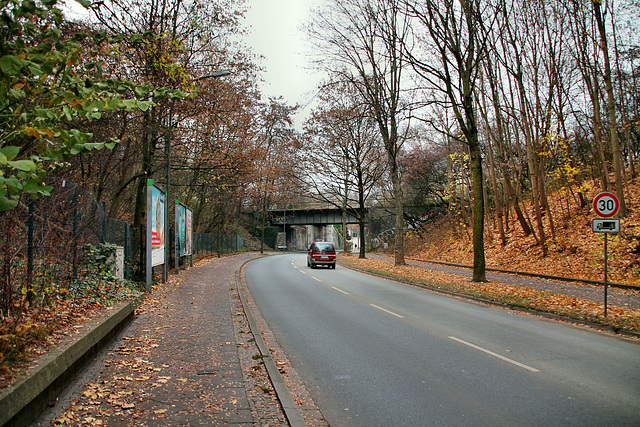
{"points": [[321, 253]]}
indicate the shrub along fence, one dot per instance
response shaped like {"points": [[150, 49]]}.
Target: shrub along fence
{"points": [[45, 241]]}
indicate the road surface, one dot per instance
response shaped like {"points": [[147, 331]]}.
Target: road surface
{"points": [[373, 352]]}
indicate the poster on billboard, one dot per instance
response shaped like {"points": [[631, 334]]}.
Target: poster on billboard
{"points": [[181, 227], [158, 205], [188, 247], [183, 230]]}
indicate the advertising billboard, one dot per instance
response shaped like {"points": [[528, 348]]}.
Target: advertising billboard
{"points": [[188, 234], [183, 227], [158, 205]]}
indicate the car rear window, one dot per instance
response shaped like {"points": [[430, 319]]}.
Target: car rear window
{"points": [[324, 247]]}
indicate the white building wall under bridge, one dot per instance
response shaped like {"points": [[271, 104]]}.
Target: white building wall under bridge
{"points": [[300, 237], [324, 233]]}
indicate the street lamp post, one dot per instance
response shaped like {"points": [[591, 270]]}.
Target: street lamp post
{"points": [[167, 248]]}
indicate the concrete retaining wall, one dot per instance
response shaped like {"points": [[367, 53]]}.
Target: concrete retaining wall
{"points": [[23, 402]]}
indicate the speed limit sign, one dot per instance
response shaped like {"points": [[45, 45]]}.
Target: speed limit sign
{"points": [[606, 204]]}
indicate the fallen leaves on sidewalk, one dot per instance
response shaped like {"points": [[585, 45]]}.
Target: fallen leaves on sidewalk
{"points": [[162, 372]]}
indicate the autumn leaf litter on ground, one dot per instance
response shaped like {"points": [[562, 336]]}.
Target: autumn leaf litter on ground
{"points": [[517, 296], [575, 252]]}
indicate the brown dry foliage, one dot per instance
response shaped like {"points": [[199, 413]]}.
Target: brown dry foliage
{"points": [[36, 329], [576, 252], [519, 296]]}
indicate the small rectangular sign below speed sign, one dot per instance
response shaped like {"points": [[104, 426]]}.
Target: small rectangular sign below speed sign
{"points": [[605, 225]]}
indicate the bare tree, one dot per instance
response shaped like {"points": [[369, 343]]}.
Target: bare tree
{"points": [[361, 42], [497, 139], [343, 154], [456, 34], [618, 165], [277, 144], [215, 150]]}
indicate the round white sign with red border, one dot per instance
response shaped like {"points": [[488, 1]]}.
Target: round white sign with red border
{"points": [[606, 204]]}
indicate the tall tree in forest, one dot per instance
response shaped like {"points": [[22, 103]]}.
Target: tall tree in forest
{"points": [[361, 42], [522, 40], [181, 43], [343, 153], [585, 54], [277, 143], [456, 35], [618, 164]]}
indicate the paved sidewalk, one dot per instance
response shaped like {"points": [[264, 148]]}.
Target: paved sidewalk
{"points": [[187, 359]]}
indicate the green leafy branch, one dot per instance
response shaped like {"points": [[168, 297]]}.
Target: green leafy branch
{"points": [[47, 85]]}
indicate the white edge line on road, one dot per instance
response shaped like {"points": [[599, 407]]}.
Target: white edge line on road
{"points": [[340, 290], [387, 311], [499, 356]]}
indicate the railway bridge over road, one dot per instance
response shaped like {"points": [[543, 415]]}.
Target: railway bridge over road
{"points": [[301, 227], [326, 216]]}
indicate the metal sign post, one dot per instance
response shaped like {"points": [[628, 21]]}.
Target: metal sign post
{"points": [[606, 263], [149, 266], [606, 205]]}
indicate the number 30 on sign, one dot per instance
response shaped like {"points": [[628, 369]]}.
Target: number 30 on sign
{"points": [[606, 204]]}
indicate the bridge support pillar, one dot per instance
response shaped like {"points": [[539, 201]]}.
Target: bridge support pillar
{"points": [[324, 233]]}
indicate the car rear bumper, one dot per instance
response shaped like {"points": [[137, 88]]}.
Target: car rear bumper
{"points": [[323, 262]]}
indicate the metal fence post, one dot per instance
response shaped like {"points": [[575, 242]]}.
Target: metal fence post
{"points": [[127, 252], [104, 223], [30, 242], [75, 231]]}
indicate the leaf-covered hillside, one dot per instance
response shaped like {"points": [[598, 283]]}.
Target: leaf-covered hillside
{"points": [[576, 251]]}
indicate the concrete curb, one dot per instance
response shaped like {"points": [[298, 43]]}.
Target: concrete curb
{"points": [[23, 402], [291, 410]]}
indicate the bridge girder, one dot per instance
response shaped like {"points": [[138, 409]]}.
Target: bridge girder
{"points": [[310, 217]]}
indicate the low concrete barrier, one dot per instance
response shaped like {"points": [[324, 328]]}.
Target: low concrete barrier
{"points": [[22, 403]]}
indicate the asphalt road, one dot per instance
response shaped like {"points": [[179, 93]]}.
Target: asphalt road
{"points": [[377, 353]]}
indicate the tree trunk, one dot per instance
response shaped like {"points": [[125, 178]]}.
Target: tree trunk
{"points": [[148, 144], [263, 223], [535, 198], [362, 211], [399, 210], [532, 160], [502, 155], [492, 175], [362, 230], [496, 197], [598, 129], [479, 266], [345, 206], [451, 188], [611, 107]]}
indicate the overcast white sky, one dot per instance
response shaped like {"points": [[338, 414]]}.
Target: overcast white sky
{"points": [[276, 33]]}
